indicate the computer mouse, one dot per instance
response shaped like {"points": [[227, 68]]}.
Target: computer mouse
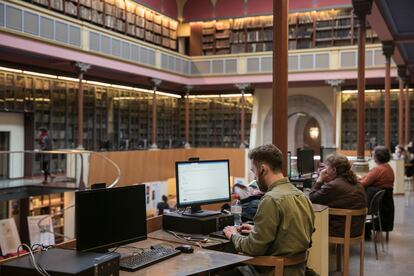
{"points": [[185, 248]]}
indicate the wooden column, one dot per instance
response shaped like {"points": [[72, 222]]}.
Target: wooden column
{"points": [[388, 50], [154, 145], [407, 114], [242, 87], [361, 9], [280, 78], [336, 85], [82, 68], [401, 75], [187, 117]]}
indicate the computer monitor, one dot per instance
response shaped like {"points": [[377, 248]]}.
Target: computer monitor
{"points": [[325, 151], [305, 162], [110, 217], [202, 182], [289, 164]]}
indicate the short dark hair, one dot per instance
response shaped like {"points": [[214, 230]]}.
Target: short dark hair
{"points": [[268, 154], [382, 154]]}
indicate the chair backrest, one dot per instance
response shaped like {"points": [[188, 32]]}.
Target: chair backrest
{"points": [[279, 262], [348, 214], [375, 203]]}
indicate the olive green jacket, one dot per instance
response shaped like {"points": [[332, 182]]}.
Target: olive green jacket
{"points": [[283, 226]]}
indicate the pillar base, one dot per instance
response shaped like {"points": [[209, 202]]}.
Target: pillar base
{"points": [[242, 146], [153, 147], [187, 146], [360, 166]]}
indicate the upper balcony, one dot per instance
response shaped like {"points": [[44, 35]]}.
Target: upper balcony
{"points": [[27, 27]]}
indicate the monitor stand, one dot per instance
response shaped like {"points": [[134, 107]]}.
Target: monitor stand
{"points": [[196, 211]]}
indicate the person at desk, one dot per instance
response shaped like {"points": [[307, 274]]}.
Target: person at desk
{"points": [[337, 187], [381, 178], [163, 205], [283, 224]]}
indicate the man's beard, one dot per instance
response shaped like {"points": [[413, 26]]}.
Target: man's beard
{"points": [[261, 184]]}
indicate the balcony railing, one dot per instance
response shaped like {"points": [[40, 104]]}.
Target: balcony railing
{"points": [[31, 21]]}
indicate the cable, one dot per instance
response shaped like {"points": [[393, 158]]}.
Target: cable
{"points": [[32, 259], [184, 239]]}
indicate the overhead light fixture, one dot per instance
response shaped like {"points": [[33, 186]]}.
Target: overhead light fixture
{"points": [[314, 133], [39, 74], [10, 70], [168, 94]]}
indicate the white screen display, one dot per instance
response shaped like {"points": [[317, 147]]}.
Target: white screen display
{"points": [[200, 182]]}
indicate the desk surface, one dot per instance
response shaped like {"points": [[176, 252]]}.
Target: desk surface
{"points": [[163, 235], [201, 260]]}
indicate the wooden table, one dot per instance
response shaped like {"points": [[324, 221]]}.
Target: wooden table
{"points": [[318, 255], [202, 260]]}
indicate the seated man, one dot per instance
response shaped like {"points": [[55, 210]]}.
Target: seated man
{"points": [[283, 224], [337, 187]]}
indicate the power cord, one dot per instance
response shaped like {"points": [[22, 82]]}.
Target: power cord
{"points": [[32, 259]]}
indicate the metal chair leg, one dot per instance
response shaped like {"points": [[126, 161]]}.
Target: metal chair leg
{"points": [[380, 231], [374, 236]]}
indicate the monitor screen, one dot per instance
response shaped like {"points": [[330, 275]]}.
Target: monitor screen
{"points": [[202, 182], [289, 164], [305, 161], [110, 217], [325, 152]]}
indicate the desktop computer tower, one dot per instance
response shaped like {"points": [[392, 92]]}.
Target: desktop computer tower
{"points": [[178, 222], [63, 262]]}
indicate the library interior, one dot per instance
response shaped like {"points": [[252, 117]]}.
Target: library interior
{"points": [[206, 137]]}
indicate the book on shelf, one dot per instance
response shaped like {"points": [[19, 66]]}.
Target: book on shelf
{"points": [[85, 13], [237, 48], [157, 29], [42, 2], [97, 5], [222, 44], [173, 44], [139, 32], [71, 8], [56, 5]]}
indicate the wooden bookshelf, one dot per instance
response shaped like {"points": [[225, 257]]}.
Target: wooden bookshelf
{"points": [[123, 16], [374, 121], [328, 28], [49, 204], [215, 122]]}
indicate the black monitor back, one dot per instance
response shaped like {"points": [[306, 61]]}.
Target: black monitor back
{"points": [[325, 151], [305, 162], [110, 217]]}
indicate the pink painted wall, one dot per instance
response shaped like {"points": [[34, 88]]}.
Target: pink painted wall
{"points": [[229, 8], [197, 10], [166, 7]]}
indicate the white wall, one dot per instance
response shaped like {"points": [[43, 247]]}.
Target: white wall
{"points": [[263, 104], [14, 123]]}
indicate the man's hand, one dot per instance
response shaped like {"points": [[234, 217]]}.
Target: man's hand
{"points": [[245, 229], [229, 230]]}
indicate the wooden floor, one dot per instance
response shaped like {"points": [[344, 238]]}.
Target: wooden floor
{"points": [[398, 258]]}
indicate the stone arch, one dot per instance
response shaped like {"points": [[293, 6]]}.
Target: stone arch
{"points": [[310, 107]]}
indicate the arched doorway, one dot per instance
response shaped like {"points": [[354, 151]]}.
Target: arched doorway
{"points": [[301, 109]]}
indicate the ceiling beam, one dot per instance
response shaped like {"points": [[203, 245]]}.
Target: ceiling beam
{"points": [[404, 39]]}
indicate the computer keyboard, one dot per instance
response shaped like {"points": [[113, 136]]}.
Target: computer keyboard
{"points": [[146, 258]]}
